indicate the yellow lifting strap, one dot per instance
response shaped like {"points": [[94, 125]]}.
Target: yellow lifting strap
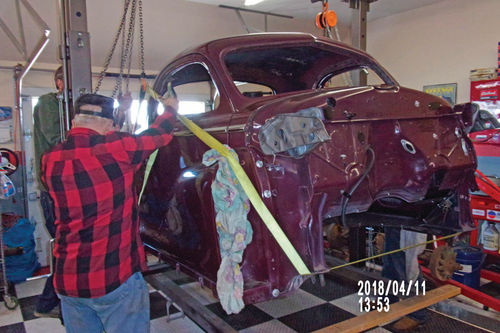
{"points": [[247, 186], [147, 171]]}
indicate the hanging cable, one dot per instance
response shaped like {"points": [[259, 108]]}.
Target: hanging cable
{"points": [[346, 195]]}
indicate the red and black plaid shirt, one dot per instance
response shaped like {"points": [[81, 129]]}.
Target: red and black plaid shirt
{"points": [[90, 178]]}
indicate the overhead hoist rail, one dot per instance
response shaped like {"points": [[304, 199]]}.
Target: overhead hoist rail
{"points": [[249, 29]]}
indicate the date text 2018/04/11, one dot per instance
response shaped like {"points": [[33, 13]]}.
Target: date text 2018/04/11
{"points": [[391, 287]]}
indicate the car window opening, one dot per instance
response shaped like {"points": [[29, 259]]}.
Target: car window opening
{"points": [[260, 72]]}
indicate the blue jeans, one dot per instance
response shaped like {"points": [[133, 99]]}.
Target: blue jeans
{"points": [[48, 299], [125, 309], [394, 266]]}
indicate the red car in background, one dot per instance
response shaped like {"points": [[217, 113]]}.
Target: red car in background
{"points": [[485, 135]]}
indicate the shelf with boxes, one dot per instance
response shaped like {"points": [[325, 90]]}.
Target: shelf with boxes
{"points": [[486, 215]]}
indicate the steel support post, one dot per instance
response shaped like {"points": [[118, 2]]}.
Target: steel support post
{"points": [[358, 31], [358, 22], [75, 52], [20, 72]]}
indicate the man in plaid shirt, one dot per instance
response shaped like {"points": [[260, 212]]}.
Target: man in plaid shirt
{"points": [[99, 254]]}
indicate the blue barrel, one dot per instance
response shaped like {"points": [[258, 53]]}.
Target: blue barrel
{"points": [[471, 258]]}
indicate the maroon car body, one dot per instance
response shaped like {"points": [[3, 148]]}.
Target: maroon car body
{"points": [[394, 156]]}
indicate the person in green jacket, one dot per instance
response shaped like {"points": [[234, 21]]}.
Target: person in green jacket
{"points": [[47, 126]]}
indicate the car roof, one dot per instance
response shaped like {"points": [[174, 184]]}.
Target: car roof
{"points": [[255, 39]]}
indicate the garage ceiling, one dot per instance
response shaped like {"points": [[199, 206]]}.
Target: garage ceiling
{"points": [[165, 27], [307, 10]]}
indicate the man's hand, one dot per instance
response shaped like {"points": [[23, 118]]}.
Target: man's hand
{"points": [[171, 104], [125, 101]]}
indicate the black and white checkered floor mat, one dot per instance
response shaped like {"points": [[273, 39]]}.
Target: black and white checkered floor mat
{"points": [[312, 307]]}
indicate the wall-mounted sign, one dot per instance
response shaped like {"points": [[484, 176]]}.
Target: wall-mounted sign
{"points": [[487, 90], [5, 112], [448, 91], [5, 124]]}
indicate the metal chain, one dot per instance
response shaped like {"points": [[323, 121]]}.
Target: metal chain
{"points": [[131, 48], [131, 53], [122, 52], [141, 59], [127, 79], [125, 55], [109, 56], [141, 36]]}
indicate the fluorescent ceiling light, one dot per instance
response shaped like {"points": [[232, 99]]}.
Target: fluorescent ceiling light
{"points": [[252, 2]]}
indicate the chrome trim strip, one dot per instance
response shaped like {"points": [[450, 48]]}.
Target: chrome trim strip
{"points": [[223, 129]]}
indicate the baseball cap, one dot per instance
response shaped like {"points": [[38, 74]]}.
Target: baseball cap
{"points": [[95, 105]]}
